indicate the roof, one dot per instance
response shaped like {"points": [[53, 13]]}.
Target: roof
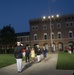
{"points": [[23, 34]]}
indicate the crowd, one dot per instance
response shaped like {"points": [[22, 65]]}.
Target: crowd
{"points": [[30, 54]]}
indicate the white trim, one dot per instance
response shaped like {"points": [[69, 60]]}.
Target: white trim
{"points": [[35, 35], [60, 35], [45, 34], [69, 33]]}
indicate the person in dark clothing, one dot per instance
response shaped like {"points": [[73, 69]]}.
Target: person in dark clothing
{"points": [[18, 56], [27, 54], [44, 52]]}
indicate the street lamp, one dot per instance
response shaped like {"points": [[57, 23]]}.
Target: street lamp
{"points": [[52, 46], [50, 24], [44, 17]]}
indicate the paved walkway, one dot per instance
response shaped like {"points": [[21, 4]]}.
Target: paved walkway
{"points": [[42, 68]]}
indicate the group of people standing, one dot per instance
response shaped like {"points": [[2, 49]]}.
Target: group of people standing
{"points": [[28, 53]]}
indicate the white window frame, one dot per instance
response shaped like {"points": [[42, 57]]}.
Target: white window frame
{"points": [[68, 24], [69, 33], [60, 35], [72, 23], [35, 35], [45, 34], [34, 28]]}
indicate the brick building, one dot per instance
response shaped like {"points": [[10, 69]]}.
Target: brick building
{"points": [[62, 32]]}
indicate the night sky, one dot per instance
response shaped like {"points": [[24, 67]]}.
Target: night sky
{"points": [[19, 12]]}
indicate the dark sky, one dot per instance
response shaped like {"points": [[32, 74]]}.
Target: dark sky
{"points": [[18, 12]]}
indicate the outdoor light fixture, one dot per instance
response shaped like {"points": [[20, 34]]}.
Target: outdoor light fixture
{"points": [[44, 17], [57, 15]]}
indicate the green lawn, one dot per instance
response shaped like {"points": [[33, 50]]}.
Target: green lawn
{"points": [[65, 61], [6, 59]]}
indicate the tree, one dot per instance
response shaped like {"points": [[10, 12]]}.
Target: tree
{"points": [[7, 37]]}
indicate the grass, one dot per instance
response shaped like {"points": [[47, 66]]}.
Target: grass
{"points": [[65, 61], [7, 59]]}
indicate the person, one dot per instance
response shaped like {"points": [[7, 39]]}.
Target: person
{"points": [[44, 52], [69, 50], [38, 54], [18, 56], [27, 54], [32, 54], [23, 51]]}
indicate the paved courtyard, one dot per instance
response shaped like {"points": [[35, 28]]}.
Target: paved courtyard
{"points": [[42, 68]]}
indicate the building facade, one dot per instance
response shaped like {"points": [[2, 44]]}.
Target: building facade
{"points": [[24, 38], [62, 32]]}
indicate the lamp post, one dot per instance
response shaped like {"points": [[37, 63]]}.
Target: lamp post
{"points": [[51, 34], [50, 25], [51, 39]]}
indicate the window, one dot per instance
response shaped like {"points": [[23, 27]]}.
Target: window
{"points": [[36, 27], [67, 24], [68, 18], [72, 18], [70, 34], [65, 19], [52, 35], [44, 27], [27, 38], [21, 39], [58, 25], [33, 28], [71, 24], [59, 35], [35, 36], [45, 36]]}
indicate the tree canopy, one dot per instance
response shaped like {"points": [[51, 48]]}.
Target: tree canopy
{"points": [[7, 36]]}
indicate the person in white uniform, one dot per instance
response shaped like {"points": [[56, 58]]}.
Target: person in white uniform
{"points": [[18, 56], [38, 53]]}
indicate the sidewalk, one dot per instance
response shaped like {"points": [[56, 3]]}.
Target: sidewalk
{"points": [[42, 68]]}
